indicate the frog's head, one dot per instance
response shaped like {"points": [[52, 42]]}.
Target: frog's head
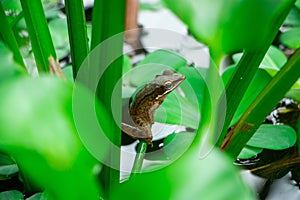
{"points": [[168, 81]]}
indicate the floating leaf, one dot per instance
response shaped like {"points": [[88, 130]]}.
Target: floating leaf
{"points": [[182, 107], [293, 18], [59, 32], [178, 110], [294, 94], [249, 152], [7, 171], [154, 64], [164, 57], [11, 195], [272, 62], [38, 196], [8, 168], [276, 137], [68, 72], [291, 38]]}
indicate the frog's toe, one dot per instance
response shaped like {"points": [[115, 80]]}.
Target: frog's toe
{"points": [[149, 141]]}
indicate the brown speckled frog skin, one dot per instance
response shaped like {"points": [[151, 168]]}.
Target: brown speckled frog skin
{"points": [[146, 100]]}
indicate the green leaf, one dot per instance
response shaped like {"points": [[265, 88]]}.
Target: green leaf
{"points": [[293, 18], [52, 11], [11, 195], [108, 21], [260, 80], [126, 64], [77, 33], [297, 4], [39, 34], [141, 75], [89, 33], [9, 68], [291, 38], [8, 37], [164, 57], [45, 143], [194, 83], [274, 59], [174, 145], [154, 64], [177, 143], [272, 62], [68, 72], [228, 29], [298, 133], [147, 69], [294, 94], [178, 110], [151, 6], [5, 159], [182, 106], [59, 32], [7, 171], [263, 105], [38, 196], [188, 178], [127, 89], [276, 137], [249, 152], [12, 5]]}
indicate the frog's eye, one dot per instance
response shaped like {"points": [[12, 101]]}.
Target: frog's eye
{"points": [[168, 84]]}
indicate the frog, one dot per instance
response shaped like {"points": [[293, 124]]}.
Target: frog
{"points": [[145, 100]]}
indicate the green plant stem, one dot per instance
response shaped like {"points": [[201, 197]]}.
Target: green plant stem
{"points": [[298, 132], [77, 33], [108, 20], [240, 80], [8, 37], [245, 71], [109, 15], [139, 158], [262, 105], [16, 20], [39, 34], [276, 166]]}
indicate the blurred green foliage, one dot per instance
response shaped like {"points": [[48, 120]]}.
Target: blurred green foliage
{"points": [[212, 177], [229, 26], [38, 133]]}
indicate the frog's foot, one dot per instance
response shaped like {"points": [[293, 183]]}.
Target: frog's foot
{"points": [[149, 141], [137, 133]]}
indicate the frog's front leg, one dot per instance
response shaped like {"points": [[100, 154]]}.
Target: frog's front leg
{"points": [[137, 133]]}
